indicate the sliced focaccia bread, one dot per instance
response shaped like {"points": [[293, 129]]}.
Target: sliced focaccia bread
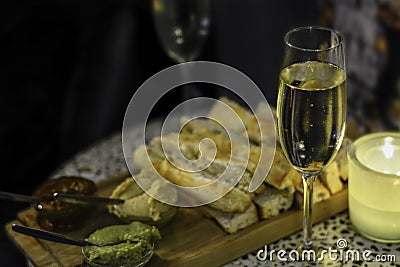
{"points": [[331, 179], [320, 193], [277, 175], [272, 201], [219, 112], [232, 222], [234, 201], [139, 205], [257, 125]]}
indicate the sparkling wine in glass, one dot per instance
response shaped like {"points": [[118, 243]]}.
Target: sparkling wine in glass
{"points": [[311, 106]]}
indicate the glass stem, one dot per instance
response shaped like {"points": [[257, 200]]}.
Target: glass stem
{"points": [[308, 186]]}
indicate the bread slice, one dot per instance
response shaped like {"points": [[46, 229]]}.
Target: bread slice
{"points": [[233, 147], [277, 174], [257, 125], [243, 185], [200, 126], [330, 178], [234, 201], [127, 189], [294, 177], [320, 193], [144, 157], [261, 189], [139, 205], [272, 201], [233, 222], [219, 113]]}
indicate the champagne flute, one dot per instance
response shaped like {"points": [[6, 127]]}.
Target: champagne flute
{"points": [[182, 27], [311, 106]]}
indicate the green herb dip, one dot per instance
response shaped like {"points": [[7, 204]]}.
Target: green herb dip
{"points": [[121, 245]]}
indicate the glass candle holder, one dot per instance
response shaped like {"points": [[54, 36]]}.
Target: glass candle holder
{"points": [[374, 186]]}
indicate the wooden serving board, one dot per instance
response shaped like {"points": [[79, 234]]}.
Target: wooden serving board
{"points": [[190, 239]]}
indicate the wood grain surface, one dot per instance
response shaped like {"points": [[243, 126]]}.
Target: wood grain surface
{"points": [[190, 239]]}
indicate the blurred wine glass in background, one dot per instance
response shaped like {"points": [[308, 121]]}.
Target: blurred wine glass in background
{"points": [[182, 27]]}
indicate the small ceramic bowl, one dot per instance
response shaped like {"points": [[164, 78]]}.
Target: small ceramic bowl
{"points": [[55, 214]]}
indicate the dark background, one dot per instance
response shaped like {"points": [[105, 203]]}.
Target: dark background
{"points": [[69, 68]]}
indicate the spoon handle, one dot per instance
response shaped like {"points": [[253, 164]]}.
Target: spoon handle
{"points": [[18, 197], [83, 199], [50, 236]]}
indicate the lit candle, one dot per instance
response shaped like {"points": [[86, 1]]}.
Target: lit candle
{"points": [[374, 186]]}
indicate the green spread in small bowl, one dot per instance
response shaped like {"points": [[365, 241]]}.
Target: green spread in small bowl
{"points": [[121, 245]]}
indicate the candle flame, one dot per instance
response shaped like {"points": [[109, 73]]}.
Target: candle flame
{"points": [[388, 149]]}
